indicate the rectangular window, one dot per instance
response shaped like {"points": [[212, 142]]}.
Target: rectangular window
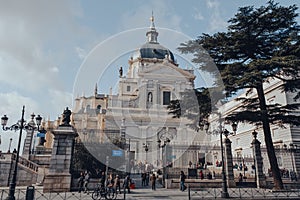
{"points": [[166, 98], [128, 88]]}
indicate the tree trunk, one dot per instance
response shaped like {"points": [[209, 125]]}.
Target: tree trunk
{"points": [[278, 185]]}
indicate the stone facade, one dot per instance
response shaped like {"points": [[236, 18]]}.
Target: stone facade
{"points": [[59, 178]]}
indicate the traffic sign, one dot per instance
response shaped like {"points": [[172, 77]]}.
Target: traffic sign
{"points": [[117, 153]]}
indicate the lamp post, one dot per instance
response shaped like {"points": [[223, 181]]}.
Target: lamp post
{"points": [[292, 148], [162, 145], [20, 125], [146, 147], [205, 125]]}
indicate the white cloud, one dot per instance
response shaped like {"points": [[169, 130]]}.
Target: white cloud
{"points": [[59, 100], [198, 15], [54, 69], [11, 105], [30, 43], [163, 16], [81, 53], [216, 21]]}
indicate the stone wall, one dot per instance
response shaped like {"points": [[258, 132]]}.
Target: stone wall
{"points": [[25, 176]]}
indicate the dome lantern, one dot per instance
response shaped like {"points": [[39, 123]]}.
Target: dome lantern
{"points": [[152, 34]]}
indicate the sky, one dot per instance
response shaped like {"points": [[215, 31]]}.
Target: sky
{"points": [[54, 51]]}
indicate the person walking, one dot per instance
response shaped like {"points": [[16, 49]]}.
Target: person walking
{"points": [[182, 181], [126, 184], [117, 184], [153, 181], [80, 182], [86, 181]]}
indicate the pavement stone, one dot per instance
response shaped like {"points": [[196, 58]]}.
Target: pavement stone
{"points": [[160, 193]]}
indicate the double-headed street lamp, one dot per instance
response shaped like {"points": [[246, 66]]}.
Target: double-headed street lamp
{"points": [[146, 147], [162, 143], [205, 125], [20, 125], [292, 149]]}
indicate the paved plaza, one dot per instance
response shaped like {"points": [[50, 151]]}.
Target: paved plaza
{"points": [[163, 194]]}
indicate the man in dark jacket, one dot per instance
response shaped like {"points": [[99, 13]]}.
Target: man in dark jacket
{"points": [[126, 184]]}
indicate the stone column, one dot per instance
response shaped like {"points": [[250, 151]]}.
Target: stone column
{"points": [[59, 177], [260, 177], [229, 164]]}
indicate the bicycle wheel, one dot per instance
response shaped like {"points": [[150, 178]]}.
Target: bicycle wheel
{"points": [[111, 195], [96, 195]]}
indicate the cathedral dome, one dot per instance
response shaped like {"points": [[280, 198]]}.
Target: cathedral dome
{"points": [[152, 49]]}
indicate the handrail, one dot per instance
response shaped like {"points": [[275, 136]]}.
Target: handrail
{"points": [[26, 163]]}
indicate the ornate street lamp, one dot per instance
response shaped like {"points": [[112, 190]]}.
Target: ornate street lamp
{"points": [[20, 125], [292, 148], [146, 147], [162, 145], [205, 126]]}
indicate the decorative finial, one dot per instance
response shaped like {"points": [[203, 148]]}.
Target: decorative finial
{"points": [[152, 17], [152, 26], [96, 90]]}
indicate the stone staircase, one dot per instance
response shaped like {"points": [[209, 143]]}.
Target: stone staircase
{"points": [[27, 170]]}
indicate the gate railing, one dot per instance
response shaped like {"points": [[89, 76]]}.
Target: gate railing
{"points": [[243, 193]]}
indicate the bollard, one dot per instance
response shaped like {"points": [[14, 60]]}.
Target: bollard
{"points": [[189, 192], [124, 192], [30, 193]]}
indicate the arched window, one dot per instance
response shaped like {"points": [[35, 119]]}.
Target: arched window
{"points": [[98, 109], [88, 108], [150, 97]]}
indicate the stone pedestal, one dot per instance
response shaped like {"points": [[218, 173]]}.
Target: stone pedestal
{"points": [[229, 164], [260, 177], [59, 178]]}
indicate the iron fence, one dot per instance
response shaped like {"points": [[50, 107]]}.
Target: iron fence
{"points": [[20, 194], [243, 193]]}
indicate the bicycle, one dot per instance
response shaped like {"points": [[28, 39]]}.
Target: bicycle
{"points": [[101, 192]]}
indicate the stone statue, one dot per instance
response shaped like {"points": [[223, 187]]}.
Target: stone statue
{"points": [[66, 117], [121, 72]]}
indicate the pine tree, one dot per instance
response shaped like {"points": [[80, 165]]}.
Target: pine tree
{"points": [[259, 45]]}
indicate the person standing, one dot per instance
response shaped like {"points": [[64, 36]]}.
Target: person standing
{"points": [[182, 181], [102, 180], [240, 177], [86, 181], [201, 175], [80, 182], [144, 176], [153, 181]]}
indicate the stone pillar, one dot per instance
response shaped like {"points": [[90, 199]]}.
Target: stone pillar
{"points": [[229, 164], [59, 177], [260, 177]]}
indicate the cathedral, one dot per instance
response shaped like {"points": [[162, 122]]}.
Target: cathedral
{"points": [[134, 123]]}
